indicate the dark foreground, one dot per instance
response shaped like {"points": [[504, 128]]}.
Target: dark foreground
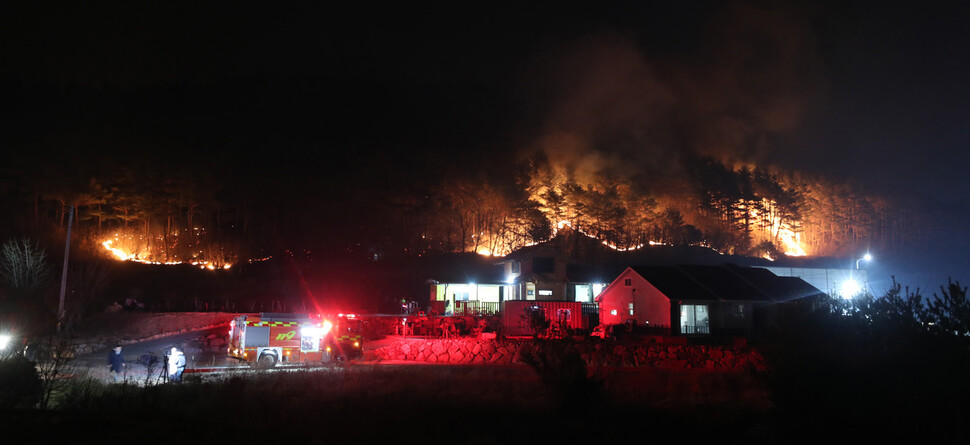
{"points": [[439, 404], [407, 404]]}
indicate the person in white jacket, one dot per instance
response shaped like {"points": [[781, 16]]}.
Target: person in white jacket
{"points": [[176, 364]]}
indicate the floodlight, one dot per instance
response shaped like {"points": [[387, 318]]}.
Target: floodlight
{"points": [[850, 289]]}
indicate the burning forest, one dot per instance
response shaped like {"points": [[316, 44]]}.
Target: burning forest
{"points": [[738, 211], [743, 211], [684, 127]]}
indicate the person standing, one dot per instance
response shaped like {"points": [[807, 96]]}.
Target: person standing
{"points": [[116, 363], [176, 364]]}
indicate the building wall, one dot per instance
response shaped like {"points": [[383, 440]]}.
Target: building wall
{"points": [[829, 281], [650, 306]]}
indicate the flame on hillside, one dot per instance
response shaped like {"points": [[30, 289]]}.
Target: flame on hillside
{"points": [[143, 255], [778, 230], [768, 225]]}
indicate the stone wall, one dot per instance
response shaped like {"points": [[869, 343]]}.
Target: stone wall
{"points": [[594, 353]]}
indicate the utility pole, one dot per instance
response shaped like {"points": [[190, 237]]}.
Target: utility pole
{"points": [[67, 251]]}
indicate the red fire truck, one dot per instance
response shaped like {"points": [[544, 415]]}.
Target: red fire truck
{"points": [[345, 340], [266, 339]]}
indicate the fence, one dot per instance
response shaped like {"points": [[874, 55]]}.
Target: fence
{"points": [[463, 308], [691, 329], [476, 308]]}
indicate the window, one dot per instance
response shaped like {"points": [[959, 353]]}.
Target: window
{"points": [[545, 293], [543, 265], [613, 312], [597, 288], [563, 315], [631, 308], [628, 282], [583, 293], [694, 319]]}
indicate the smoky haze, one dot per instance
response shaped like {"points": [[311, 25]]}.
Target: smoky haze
{"points": [[615, 105], [841, 93], [306, 100]]}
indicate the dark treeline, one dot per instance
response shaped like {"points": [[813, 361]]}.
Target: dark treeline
{"points": [[893, 366], [201, 208]]}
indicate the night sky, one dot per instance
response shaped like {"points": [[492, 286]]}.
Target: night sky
{"points": [[866, 92]]}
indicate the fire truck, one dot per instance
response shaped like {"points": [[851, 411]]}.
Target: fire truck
{"points": [[345, 340], [266, 339]]}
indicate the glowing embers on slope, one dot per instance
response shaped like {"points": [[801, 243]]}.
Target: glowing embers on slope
{"points": [[145, 256]]}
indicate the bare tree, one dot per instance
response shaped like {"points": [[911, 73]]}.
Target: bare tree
{"points": [[55, 358], [23, 264]]}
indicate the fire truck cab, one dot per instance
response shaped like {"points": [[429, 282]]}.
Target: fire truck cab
{"points": [[266, 339], [345, 340]]}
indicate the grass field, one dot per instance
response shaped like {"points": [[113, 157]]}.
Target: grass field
{"points": [[408, 404]]}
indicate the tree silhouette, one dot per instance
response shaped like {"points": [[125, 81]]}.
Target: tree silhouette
{"points": [[949, 313]]}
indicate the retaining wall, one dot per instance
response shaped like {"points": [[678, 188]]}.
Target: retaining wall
{"points": [[594, 353]]}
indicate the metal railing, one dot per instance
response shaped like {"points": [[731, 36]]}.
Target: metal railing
{"points": [[475, 308], [695, 330]]}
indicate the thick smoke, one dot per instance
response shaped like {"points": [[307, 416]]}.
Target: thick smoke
{"points": [[737, 95]]}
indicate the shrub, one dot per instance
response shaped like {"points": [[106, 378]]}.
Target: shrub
{"points": [[564, 374], [20, 386]]}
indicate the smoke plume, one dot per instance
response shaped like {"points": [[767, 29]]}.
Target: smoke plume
{"points": [[613, 107]]}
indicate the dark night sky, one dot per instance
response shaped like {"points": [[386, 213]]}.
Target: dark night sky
{"points": [[867, 91]]}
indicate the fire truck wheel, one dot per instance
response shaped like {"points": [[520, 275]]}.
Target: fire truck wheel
{"points": [[267, 361]]}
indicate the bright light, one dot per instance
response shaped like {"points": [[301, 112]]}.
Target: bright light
{"points": [[309, 331], [327, 326], [850, 289], [4, 341], [867, 257]]}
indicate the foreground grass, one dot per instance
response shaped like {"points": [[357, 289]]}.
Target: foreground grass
{"points": [[406, 404]]}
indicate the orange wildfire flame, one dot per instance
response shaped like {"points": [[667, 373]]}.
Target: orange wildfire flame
{"points": [[776, 230], [122, 255], [790, 240]]}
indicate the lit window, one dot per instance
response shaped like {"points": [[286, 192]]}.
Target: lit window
{"points": [[545, 292], [583, 293], [631, 308], [694, 319], [613, 312]]}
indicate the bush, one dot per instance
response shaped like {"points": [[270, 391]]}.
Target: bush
{"points": [[20, 386], [564, 374]]}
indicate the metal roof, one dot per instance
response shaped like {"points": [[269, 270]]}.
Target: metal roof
{"points": [[724, 283]]}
